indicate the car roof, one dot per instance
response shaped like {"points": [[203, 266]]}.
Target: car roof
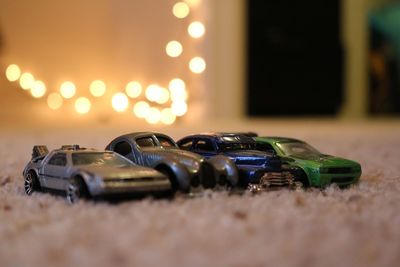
{"points": [[135, 135], [73, 150], [219, 137]]}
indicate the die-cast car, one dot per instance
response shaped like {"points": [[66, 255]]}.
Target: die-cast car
{"points": [[253, 165], [185, 169], [83, 173], [318, 170]]}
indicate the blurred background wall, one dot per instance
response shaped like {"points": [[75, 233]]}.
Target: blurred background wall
{"points": [[241, 59]]}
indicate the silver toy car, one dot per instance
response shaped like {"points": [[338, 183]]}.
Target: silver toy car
{"points": [[185, 169], [82, 173]]}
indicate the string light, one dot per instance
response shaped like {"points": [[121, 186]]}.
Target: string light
{"points": [[167, 116], [97, 88], [177, 90], [197, 65], [133, 89], [181, 10], [120, 102], [67, 89], [82, 105], [13, 72], [154, 116], [179, 108], [26, 80], [141, 109], [196, 29], [163, 96], [38, 89], [54, 101], [174, 49]]}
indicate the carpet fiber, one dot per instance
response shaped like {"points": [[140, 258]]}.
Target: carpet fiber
{"points": [[358, 226]]}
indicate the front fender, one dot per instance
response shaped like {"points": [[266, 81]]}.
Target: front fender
{"points": [[93, 185], [224, 166], [180, 172]]}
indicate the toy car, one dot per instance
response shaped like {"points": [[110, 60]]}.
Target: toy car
{"points": [[253, 165], [82, 173], [186, 170], [317, 169]]}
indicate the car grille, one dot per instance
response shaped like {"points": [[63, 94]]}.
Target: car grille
{"points": [[277, 179]]}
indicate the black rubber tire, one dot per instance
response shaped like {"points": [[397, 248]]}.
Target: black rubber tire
{"points": [[76, 190], [303, 178], [31, 183]]}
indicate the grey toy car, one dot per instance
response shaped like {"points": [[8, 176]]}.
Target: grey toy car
{"points": [[83, 173], [185, 169]]}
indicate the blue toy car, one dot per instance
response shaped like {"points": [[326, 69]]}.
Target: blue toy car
{"points": [[254, 166]]}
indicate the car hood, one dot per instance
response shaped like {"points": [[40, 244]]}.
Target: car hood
{"points": [[325, 160], [114, 172], [248, 157]]}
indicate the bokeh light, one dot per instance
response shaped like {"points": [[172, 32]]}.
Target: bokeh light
{"points": [[181, 10], [174, 49], [120, 102], [196, 29], [179, 108], [193, 3], [163, 96], [141, 109], [13, 72], [38, 89], [67, 89], [26, 80], [197, 65], [54, 101], [167, 116], [177, 89], [154, 116], [82, 105], [152, 92], [97, 88], [133, 89]]}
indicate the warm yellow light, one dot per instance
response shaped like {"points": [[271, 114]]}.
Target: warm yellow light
{"points": [[167, 116], [133, 89], [97, 88], [174, 49], [38, 89], [13, 72], [196, 29], [26, 80], [154, 116], [177, 90], [67, 89], [152, 92], [163, 96], [197, 65], [141, 109], [54, 101], [181, 10], [120, 102], [82, 105], [193, 3], [179, 108]]}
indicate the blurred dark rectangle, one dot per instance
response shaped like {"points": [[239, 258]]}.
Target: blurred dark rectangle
{"points": [[295, 58]]}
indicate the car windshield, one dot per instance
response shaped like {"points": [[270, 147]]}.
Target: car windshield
{"points": [[297, 148], [100, 159], [166, 142], [236, 146]]}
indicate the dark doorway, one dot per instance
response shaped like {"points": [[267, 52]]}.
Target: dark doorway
{"points": [[295, 58]]}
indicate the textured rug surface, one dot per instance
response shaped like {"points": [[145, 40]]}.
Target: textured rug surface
{"points": [[359, 226]]}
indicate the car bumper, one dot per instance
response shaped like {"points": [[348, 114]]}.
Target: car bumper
{"points": [[342, 179]]}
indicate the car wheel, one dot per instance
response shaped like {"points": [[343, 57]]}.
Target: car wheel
{"points": [[31, 183], [76, 190]]}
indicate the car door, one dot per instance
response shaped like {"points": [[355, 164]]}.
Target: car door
{"points": [[204, 147], [55, 171]]}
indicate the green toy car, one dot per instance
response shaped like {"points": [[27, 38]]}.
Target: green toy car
{"points": [[318, 170]]}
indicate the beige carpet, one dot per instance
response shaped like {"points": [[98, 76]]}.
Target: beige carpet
{"points": [[359, 226]]}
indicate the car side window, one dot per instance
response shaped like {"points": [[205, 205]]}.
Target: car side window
{"points": [[123, 148], [59, 159], [145, 142], [186, 144], [204, 145], [265, 147]]}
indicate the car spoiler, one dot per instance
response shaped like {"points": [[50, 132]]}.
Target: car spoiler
{"points": [[39, 152]]}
